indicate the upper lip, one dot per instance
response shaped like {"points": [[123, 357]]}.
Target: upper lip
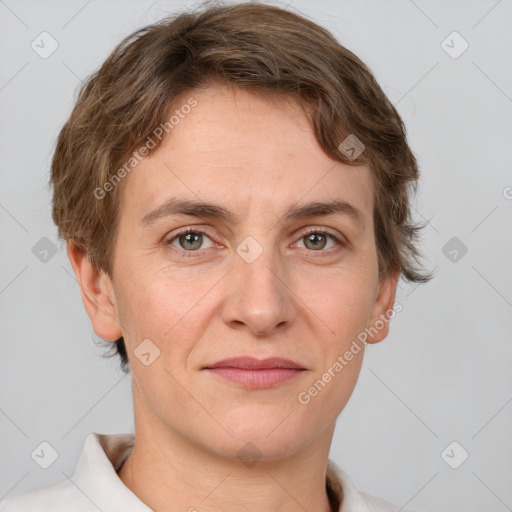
{"points": [[252, 363]]}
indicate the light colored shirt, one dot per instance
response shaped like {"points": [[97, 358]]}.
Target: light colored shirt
{"points": [[96, 486]]}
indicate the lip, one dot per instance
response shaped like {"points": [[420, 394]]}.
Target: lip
{"points": [[256, 373], [252, 363]]}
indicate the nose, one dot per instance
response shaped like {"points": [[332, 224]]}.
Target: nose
{"points": [[259, 296]]}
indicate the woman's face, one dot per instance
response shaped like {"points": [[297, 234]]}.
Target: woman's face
{"points": [[253, 282]]}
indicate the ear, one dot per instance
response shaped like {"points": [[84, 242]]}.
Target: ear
{"points": [[97, 294], [382, 310]]}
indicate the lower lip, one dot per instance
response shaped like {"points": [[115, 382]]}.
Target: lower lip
{"points": [[262, 378]]}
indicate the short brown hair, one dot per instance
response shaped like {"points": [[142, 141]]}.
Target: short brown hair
{"points": [[249, 45]]}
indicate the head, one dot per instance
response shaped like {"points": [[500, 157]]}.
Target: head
{"points": [[301, 176]]}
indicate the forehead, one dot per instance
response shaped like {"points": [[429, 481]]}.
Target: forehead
{"points": [[245, 150]]}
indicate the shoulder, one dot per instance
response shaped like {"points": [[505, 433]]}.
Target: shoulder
{"points": [[55, 498]]}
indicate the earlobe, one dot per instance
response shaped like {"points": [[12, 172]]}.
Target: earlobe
{"points": [[97, 294], [383, 311]]}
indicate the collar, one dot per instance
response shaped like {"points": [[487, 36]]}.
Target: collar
{"points": [[95, 485], [96, 473], [104, 454]]}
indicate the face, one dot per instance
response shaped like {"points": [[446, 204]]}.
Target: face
{"points": [[262, 274]]}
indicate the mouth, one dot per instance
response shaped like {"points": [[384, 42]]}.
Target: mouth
{"points": [[256, 373]]}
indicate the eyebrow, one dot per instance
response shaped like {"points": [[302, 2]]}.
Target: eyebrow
{"points": [[204, 210]]}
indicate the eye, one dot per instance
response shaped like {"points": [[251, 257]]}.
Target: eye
{"points": [[317, 239], [189, 240]]}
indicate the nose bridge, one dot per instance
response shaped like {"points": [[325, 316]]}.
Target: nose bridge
{"points": [[258, 263], [258, 296]]}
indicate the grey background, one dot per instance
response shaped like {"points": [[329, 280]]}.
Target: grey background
{"points": [[442, 375]]}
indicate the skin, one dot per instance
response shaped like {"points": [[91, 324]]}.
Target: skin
{"points": [[254, 155]]}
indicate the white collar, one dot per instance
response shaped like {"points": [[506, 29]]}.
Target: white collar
{"points": [[96, 485]]}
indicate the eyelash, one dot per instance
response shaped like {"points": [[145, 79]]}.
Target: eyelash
{"points": [[191, 254]]}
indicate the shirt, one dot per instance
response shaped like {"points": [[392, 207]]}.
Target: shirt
{"points": [[96, 485]]}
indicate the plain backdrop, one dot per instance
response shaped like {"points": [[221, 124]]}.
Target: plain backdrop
{"points": [[438, 390]]}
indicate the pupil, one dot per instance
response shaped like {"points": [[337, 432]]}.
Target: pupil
{"points": [[313, 238], [192, 238]]}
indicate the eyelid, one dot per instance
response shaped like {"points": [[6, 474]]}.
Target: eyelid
{"points": [[320, 229]]}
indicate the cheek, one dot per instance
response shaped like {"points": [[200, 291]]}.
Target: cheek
{"points": [[343, 301], [162, 306], [344, 305]]}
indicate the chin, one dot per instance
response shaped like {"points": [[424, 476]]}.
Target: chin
{"points": [[259, 434]]}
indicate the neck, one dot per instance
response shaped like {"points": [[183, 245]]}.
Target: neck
{"points": [[164, 468]]}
